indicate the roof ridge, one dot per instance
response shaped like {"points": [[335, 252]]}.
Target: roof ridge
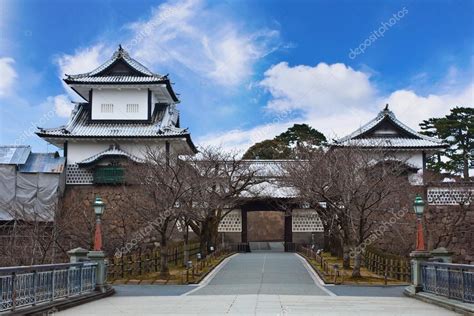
{"points": [[386, 112], [120, 53]]}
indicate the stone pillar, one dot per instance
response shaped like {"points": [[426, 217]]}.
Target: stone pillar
{"points": [[101, 272], [243, 237], [77, 255], [417, 257], [442, 255], [288, 227]]}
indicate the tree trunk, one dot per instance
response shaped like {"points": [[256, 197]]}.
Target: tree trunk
{"points": [[164, 270], [214, 231], [204, 237], [346, 258], [186, 246], [327, 239], [465, 161], [357, 263]]}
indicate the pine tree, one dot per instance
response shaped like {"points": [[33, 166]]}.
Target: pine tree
{"points": [[287, 144], [457, 130]]}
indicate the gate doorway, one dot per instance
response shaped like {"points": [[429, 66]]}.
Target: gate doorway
{"points": [[266, 226]]}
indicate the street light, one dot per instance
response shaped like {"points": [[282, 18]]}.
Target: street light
{"points": [[419, 207], [99, 208]]}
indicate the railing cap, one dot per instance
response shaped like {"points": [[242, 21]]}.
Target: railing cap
{"points": [[43, 267], [449, 265]]}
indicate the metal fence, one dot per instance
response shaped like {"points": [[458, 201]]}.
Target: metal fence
{"points": [[455, 281], [30, 285]]}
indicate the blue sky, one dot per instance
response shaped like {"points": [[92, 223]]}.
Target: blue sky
{"points": [[245, 70]]}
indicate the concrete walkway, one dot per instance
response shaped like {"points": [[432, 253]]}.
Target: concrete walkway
{"points": [[253, 284], [279, 273]]}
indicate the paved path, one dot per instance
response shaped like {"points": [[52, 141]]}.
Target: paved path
{"points": [[279, 273], [256, 284]]}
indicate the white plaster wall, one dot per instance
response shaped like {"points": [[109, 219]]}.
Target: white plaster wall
{"points": [[120, 99], [78, 151]]}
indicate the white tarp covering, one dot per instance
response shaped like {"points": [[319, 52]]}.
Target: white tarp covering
{"points": [[7, 184], [29, 196]]}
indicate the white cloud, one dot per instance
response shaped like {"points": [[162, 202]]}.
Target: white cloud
{"points": [[61, 105], [187, 38], [83, 60], [321, 89], [412, 108], [337, 100], [8, 75], [240, 140], [201, 40]]}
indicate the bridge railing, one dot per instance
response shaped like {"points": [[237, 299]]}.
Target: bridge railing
{"points": [[455, 281], [30, 285]]}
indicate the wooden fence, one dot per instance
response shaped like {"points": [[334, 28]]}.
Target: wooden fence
{"points": [[143, 261], [332, 273], [392, 266]]}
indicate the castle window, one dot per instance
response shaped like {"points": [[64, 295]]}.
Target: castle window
{"points": [[132, 108], [107, 108]]}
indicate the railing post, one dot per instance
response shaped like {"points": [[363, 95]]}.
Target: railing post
{"points": [[53, 279], [449, 282], [35, 274], [99, 258], [77, 255], [13, 291], [67, 281], [80, 279], [418, 257]]}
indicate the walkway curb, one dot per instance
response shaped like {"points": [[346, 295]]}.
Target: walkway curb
{"points": [[314, 275], [210, 275]]}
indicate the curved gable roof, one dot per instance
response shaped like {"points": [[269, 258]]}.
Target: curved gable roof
{"points": [[119, 58], [377, 133]]}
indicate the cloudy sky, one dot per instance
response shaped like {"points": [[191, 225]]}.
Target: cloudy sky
{"points": [[245, 70]]}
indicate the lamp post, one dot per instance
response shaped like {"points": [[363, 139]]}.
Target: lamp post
{"points": [[419, 207], [420, 254], [99, 207], [97, 255]]}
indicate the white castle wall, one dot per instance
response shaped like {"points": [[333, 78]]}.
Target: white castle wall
{"points": [[111, 104], [80, 151]]}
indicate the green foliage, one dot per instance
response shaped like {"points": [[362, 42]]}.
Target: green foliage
{"points": [[457, 130], [300, 134], [286, 145], [268, 149]]}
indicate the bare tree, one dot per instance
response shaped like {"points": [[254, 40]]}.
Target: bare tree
{"points": [[162, 187], [218, 182], [357, 187]]}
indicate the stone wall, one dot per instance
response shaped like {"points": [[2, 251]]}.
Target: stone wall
{"points": [[121, 226], [451, 227]]}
